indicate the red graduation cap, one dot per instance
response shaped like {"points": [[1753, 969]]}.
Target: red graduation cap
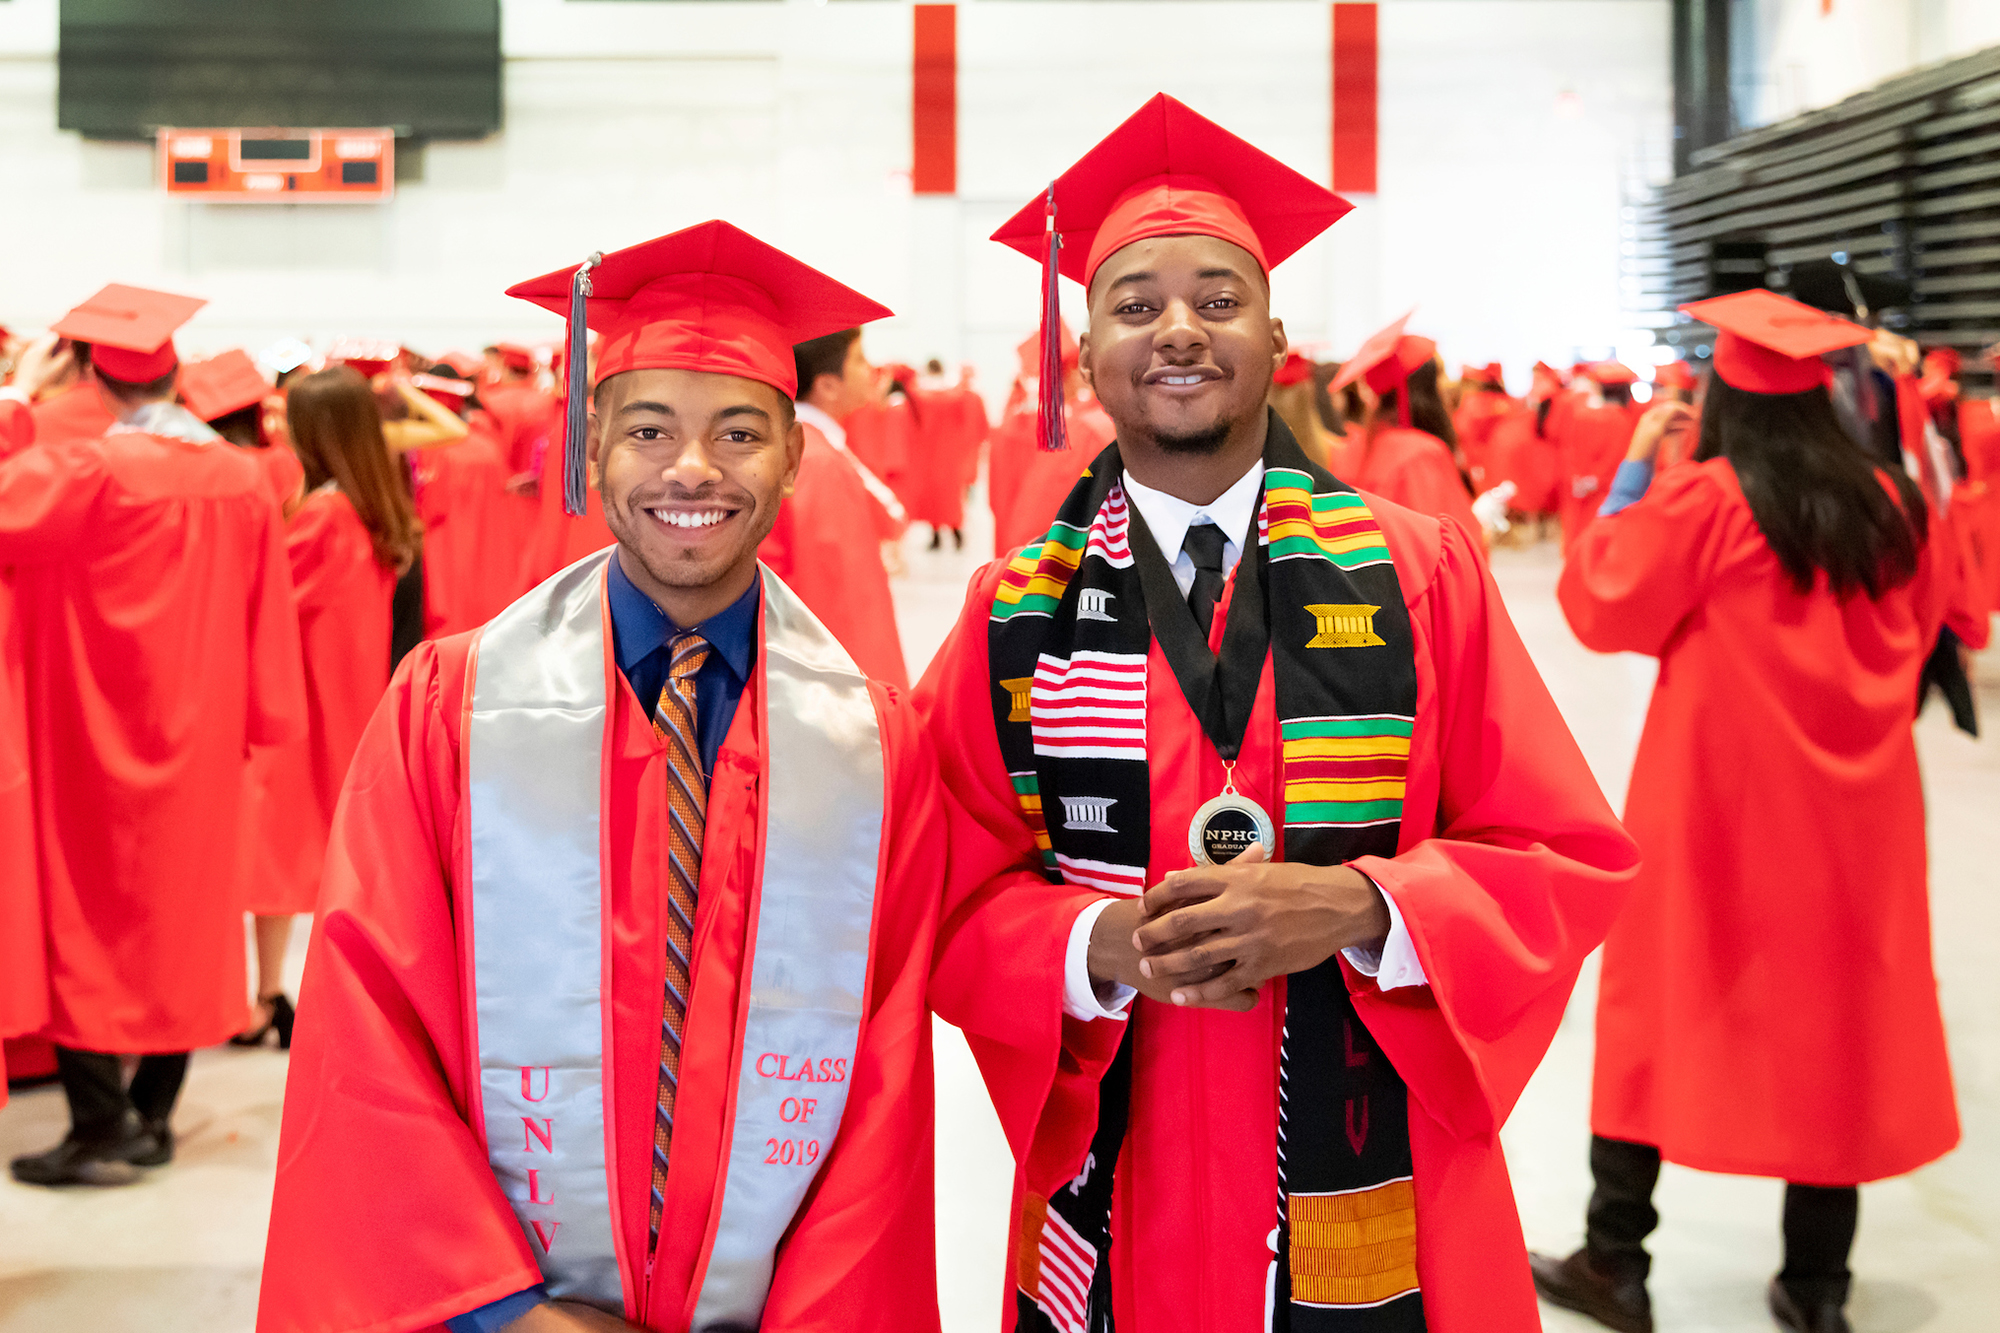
{"points": [[452, 393], [1166, 171], [224, 383], [1772, 344], [369, 356], [709, 298], [130, 330], [515, 357], [1490, 373], [1674, 375], [1387, 359], [1611, 372], [462, 364], [1296, 369]]}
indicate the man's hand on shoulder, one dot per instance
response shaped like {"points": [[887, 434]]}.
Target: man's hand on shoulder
{"points": [[1212, 935], [568, 1317]]}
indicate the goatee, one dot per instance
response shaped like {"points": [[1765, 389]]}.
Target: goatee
{"points": [[1208, 441]]}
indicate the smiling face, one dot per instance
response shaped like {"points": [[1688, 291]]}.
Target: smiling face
{"points": [[691, 467], [1181, 345]]}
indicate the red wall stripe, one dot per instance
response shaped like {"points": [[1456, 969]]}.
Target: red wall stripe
{"points": [[1356, 89], [934, 106]]}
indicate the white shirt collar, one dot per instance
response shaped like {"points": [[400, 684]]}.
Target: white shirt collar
{"points": [[1168, 517], [835, 433]]}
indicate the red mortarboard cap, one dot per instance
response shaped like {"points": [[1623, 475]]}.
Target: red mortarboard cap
{"points": [[1772, 344], [1166, 171], [1297, 369], [1030, 350], [516, 357], [462, 364], [369, 356], [1490, 373], [1387, 360], [709, 298], [130, 330], [1674, 375], [1943, 361], [224, 383], [1611, 372], [452, 393]]}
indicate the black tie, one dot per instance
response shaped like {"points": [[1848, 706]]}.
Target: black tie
{"points": [[1203, 545]]}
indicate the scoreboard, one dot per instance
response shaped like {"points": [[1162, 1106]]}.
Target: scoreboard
{"points": [[279, 166]]}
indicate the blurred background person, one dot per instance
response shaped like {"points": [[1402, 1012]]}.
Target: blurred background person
{"points": [[1406, 434], [347, 541]]}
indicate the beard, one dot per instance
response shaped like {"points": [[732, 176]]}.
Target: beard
{"points": [[1198, 442]]}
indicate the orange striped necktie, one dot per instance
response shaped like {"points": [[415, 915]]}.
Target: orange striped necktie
{"points": [[687, 806]]}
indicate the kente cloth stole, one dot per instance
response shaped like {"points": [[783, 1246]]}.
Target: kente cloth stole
{"points": [[1068, 640]]}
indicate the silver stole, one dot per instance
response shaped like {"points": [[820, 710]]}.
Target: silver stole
{"points": [[534, 762]]}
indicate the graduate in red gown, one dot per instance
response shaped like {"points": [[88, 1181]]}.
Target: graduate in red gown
{"points": [[1482, 404], [833, 527], [951, 425], [1519, 449], [669, 1066], [158, 644], [1407, 435], [1767, 1004], [228, 392], [471, 521], [347, 540], [1430, 860], [1591, 438]]}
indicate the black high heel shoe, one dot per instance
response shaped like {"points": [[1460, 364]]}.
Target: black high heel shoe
{"points": [[282, 1017]]}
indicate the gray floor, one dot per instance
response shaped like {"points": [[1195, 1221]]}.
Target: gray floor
{"points": [[180, 1252]]}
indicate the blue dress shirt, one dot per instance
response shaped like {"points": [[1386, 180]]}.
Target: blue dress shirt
{"points": [[1628, 486], [643, 637]]}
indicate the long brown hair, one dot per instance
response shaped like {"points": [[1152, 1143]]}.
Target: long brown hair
{"points": [[336, 429], [1822, 501]]}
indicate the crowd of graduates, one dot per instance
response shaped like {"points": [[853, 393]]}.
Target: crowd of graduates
{"points": [[178, 706]]}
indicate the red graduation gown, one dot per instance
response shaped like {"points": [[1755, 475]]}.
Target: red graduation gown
{"points": [[827, 547], [1044, 478], [1767, 1005], [77, 413], [1979, 496], [342, 595], [884, 437], [1591, 444], [560, 538], [1509, 869], [386, 1214], [284, 476], [1413, 468], [24, 984], [472, 532], [1516, 453], [951, 425], [159, 643], [1473, 423]]}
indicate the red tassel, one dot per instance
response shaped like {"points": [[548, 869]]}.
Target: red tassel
{"points": [[1052, 431]]}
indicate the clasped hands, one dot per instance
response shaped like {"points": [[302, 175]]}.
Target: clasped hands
{"points": [[1210, 936]]}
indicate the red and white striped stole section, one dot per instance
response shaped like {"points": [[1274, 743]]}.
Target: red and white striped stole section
{"points": [[1090, 706]]}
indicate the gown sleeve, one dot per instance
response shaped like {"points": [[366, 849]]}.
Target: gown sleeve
{"points": [[47, 496], [1522, 878], [849, 1260], [386, 1214], [17, 426], [1632, 578], [998, 971]]}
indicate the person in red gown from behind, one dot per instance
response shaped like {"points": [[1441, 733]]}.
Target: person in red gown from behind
{"points": [[348, 539], [1406, 455], [1767, 1004]]}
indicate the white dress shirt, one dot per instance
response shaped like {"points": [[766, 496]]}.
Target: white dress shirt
{"points": [[1168, 517]]}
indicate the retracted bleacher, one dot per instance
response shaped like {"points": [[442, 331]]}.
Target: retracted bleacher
{"points": [[1902, 180]]}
